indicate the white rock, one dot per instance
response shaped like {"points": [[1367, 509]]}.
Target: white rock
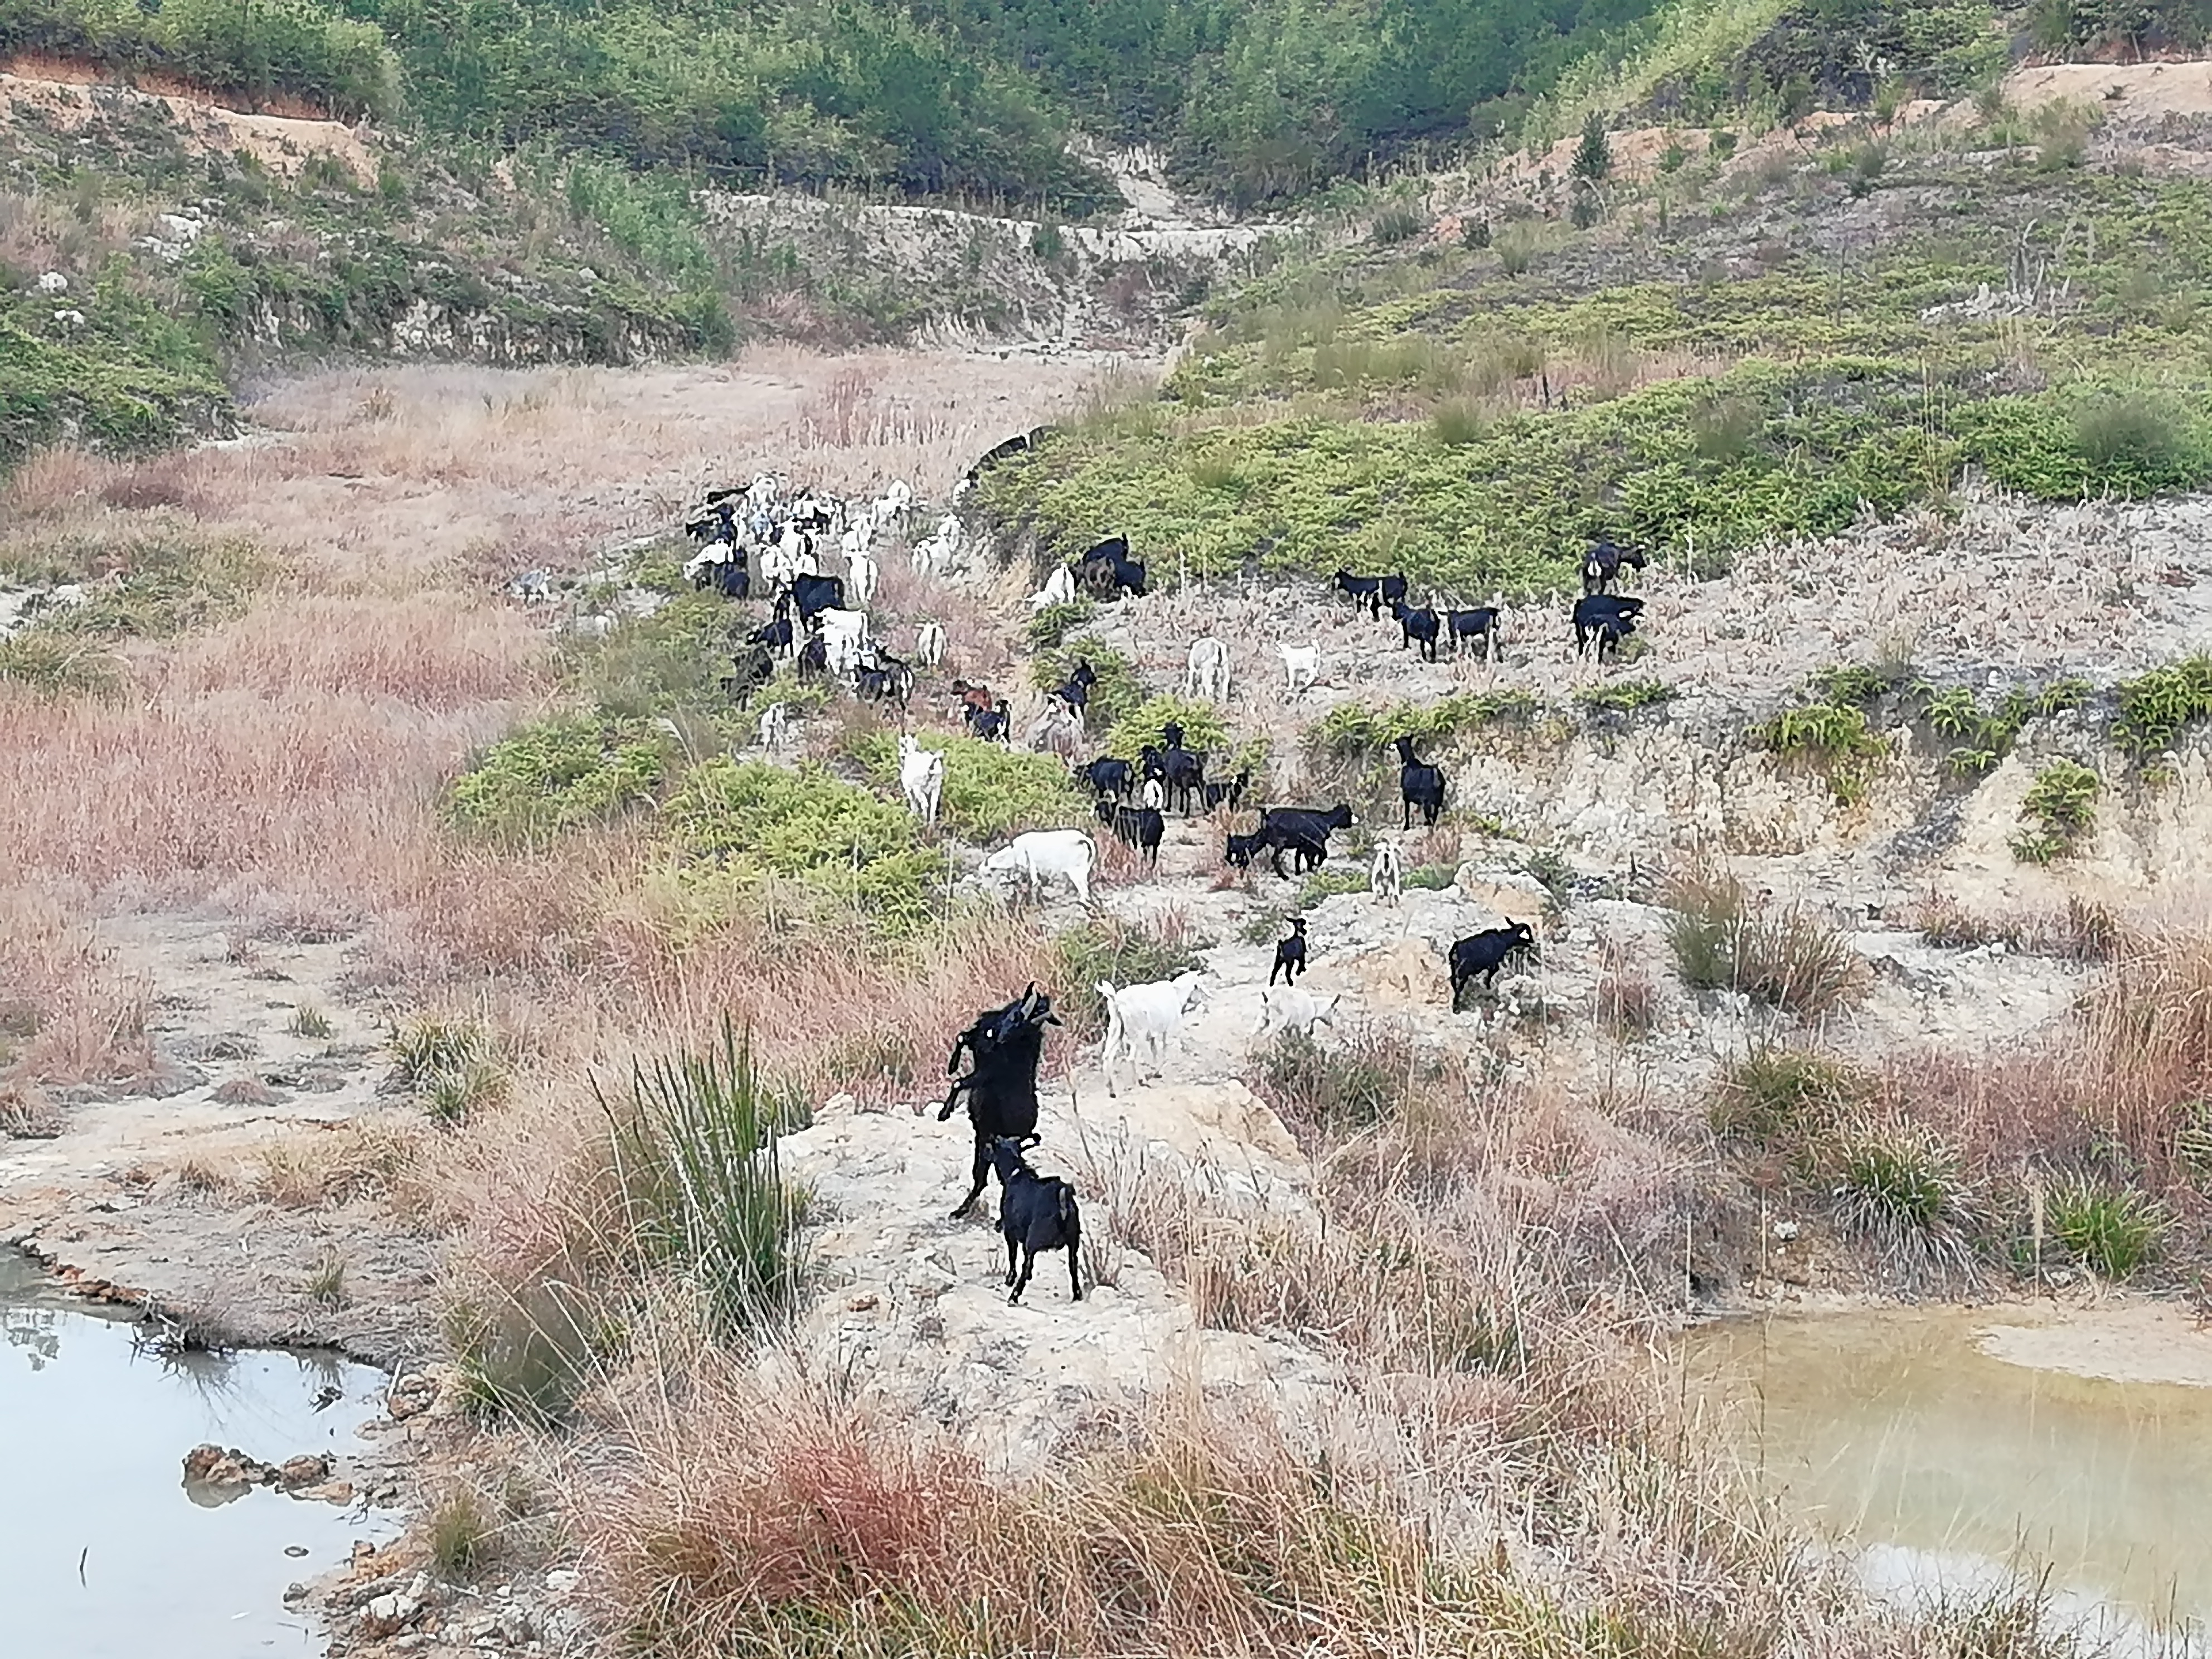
{"points": [[53, 283]]}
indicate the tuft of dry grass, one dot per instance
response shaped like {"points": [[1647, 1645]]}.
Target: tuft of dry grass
{"points": [[66, 1015], [1724, 940], [360, 1158]]}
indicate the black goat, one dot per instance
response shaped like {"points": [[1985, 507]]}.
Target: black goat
{"points": [[815, 594], [775, 635], [1003, 1045], [1035, 1212], [1075, 691], [750, 670], [1290, 954], [1213, 794], [1419, 785], [887, 680], [1482, 955], [813, 658], [991, 725], [1107, 776], [1480, 622], [1241, 848], [1365, 593], [1417, 624], [1603, 562], [1606, 617], [1108, 568], [1391, 590], [1302, 831], [1140, 826]]}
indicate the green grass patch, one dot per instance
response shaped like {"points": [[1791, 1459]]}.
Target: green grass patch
{"points": [[1985, 735], [2115, 1231], [1786, 1097], [1338, 1090], [1051, 626], [1834, 739], [52, 663], [1351, 730], [1902, 1190], [1623, 696], [1724, 941]]}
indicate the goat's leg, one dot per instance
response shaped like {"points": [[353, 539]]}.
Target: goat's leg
{"points": [[1029, 1262], [982, 1174], [1074, 1273], [1012, 1246]]}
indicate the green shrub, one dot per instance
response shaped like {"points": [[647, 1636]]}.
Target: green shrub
{"points": [[745, 822], [2062, 802], [559, 774], [1053, 624], [694, 1150], [990, 791], [1783, 1097], [526, 1353], [1784, 957], [1593, 157], [1120, 954], [1328, 883], [2114, 1230], [1624, 696], [1987, 735], [2155, 707], [1459, 424], [1203, 730], [1114, 695], [461, 1534], [451, 1066]]}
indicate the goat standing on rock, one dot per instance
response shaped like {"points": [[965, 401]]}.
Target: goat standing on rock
{"points": [[1035, 1212], [1003, 1045]]}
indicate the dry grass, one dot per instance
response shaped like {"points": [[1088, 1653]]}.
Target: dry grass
{"points": [[360, 1158], [66, 1016]]}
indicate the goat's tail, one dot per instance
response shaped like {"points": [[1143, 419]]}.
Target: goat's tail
{"points": [[1069, 1217]]}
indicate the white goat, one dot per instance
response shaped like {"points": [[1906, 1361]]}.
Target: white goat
{"points": [[1386, 875], [1284, 1009], [929, 644], [775, 725], [859, 579], [1301, 664], [928, 557], [1205, 673], [951, 531], [1059, 589], [1155, 796], [844, 639], [921, 776], [1037, 853], [1146, 1014]]}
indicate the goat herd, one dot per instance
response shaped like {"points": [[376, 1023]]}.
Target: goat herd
{"points": [[766, 541]]}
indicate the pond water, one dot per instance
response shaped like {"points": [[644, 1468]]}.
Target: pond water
{"points": [[1952, 1471], [104, 1553]]}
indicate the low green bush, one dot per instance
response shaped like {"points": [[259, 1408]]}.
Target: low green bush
{"points": [[1049, 627], [1204, 731], [2155, 707], [1336, 1090], [1786, 956], [1623, 696], [990, 791], [743, 822], [1351, 730], [1833, 737], [2059, 809], [558, 775], [1116, 695], [1900, 1188]]}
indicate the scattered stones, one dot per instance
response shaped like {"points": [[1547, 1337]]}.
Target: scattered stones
{"points": [[222, 1468], [410, 1396]]}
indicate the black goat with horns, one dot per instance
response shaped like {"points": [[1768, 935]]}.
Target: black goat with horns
{"points": [[1003, 1045]]}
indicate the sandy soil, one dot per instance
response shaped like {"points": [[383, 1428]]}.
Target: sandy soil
{"points": [[2133, 1342], [283, 144]]}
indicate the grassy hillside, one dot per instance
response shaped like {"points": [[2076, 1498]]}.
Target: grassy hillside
{"points": [[1726, 352]]}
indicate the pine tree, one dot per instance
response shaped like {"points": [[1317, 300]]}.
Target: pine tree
{"points": [[1594, 155]]}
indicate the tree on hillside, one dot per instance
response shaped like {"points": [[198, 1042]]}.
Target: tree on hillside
{"points": [[1594, 155]]}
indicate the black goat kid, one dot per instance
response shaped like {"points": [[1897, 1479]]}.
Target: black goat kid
{"points": [[1290, 954], [1419, 785], [1035, 1212], [1003, 1045]]}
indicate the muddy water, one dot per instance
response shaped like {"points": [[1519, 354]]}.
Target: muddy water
{"points": [[104, 1554], [1949, 1469]]}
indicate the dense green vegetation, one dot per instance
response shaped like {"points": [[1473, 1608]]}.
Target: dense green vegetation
{"points": [[1400, 410]]}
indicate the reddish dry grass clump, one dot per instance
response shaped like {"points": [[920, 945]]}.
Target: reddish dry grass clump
{"points": [[65, 1015]]}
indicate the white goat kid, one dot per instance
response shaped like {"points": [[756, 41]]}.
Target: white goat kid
{"points": [[921, 777], [859, 579], [1205, 673], [929, 644], [1146, 1014], [1282, 1008], [775, 725], [1036, 855], [1301, 665], [1386, 875], [1059, 589]]}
